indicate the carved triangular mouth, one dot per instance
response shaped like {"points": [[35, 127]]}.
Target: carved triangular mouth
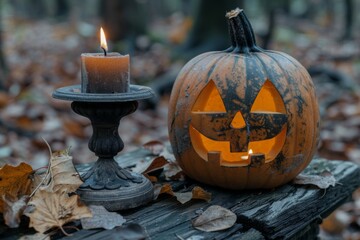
{"points": [[203, 145]]}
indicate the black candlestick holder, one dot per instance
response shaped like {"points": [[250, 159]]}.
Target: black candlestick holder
{"points": [[106, 183]]}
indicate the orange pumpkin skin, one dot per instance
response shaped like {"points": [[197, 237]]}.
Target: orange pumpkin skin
{"points": [[239, 77]]}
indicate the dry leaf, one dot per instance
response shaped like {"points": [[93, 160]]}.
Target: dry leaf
{"points": [[172, 171], [63, 173], [150, 166], [54, 209], [36, 179], [155, 147], [182, 197], [152, 179], [156, 164], [168, 154], [14, 182], [159, 189], [199, 193], [166, 188], [37, 236], [215, 218], [102, 219], [13, 210], [323, 181]]}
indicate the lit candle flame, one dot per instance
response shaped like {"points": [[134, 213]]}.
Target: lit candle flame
{"points": [[103, 43], [247, 157]]}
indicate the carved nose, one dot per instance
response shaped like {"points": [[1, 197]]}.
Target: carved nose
{"points": [[238, 121]]}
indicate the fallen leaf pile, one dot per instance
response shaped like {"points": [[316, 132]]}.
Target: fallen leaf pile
{"points": [[161, 162], [158, 160], [52, 202], [182, 197]]}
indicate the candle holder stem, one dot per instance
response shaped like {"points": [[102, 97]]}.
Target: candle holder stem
{"points": [[106, 143], [102, 183]]}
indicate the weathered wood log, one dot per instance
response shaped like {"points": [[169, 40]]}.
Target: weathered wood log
{"points": [[288, 212]]}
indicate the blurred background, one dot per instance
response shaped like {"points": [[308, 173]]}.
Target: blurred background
{"points": [[41, 42]]}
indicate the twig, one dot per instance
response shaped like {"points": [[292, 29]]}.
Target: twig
{"points": [[62, 228], [48, 171], [71, 227], [63, 231]]}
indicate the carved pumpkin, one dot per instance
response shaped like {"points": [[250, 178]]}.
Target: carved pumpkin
{"points": [[225, 103]]}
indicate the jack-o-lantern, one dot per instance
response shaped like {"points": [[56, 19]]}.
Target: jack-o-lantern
{"points": [[244, 117]]}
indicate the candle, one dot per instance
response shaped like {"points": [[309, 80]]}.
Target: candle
{"points": [[105, 72], [249, 155]]}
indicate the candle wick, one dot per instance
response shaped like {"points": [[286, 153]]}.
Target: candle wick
{"points": [[105, 53]]}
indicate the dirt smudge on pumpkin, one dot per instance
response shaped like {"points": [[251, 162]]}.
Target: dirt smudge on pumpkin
{"points": [[292, 80], [255, 78], [278, 162]]}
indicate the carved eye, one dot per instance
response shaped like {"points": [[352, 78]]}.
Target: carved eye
{"points": [[269, 118], [209, 100]]}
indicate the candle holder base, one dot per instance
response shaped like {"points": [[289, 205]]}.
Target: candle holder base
{"points": [[106, 183], [131, 196]]}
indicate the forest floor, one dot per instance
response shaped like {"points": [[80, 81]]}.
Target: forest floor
{"points": [[42, 57]]}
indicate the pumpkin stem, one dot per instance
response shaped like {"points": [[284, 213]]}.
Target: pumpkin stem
{"points": [[241, 33], [232, 38]]}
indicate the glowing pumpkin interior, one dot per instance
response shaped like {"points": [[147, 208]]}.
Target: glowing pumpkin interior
{"points": [[209, 100]]}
